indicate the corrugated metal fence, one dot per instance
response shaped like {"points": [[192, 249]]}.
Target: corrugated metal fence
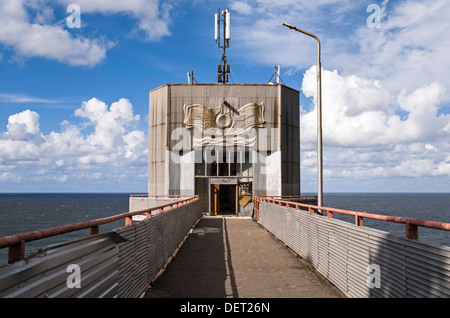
{"points": [[120, 263], [361, 261], [149, 246]]}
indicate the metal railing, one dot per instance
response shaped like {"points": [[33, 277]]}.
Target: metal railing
{"points": [[156, 196], [360, 260], [411, 225], [16, 243], [302, 197]]}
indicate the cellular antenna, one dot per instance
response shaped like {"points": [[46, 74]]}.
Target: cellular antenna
{"points": [[223, 69]]}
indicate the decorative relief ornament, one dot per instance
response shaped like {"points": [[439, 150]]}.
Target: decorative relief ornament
{"points": [[248, 116]]}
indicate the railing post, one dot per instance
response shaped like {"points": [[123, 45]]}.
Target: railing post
{"points": [[256, 208], [94, 230], [16, 252], [412, 231], [358, 220], [128, 221]]}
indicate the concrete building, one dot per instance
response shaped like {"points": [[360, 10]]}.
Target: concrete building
{"points": [[224, 142]]}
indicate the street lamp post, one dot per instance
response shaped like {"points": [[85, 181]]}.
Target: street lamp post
{"points": [[319, 116]]}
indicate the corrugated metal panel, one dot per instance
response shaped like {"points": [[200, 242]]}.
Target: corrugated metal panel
{"points": [[150, 244], [342, 252], [45, 275], [120, 263]]}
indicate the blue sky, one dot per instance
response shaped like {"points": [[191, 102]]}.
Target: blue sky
{"points": [[74, 101]]}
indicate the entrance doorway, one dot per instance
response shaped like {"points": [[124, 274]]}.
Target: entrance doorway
{"points": [[223, 199]]}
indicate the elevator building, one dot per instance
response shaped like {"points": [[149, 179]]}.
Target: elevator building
{"points": [[225, 143]]}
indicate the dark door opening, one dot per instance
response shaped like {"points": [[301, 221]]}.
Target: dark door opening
{"points": [[223, 199], [227, 200]]}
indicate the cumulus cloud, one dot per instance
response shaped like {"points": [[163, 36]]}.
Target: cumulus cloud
{"points": [[22, 124], [384, 89], [409, 50], [27, 24], [151, 15], [383, 103], [360, 112], [369, 132], [26, 37], [106, 139]]}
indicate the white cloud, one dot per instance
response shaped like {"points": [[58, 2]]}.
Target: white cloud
{"points": [[62, 179], [241, 7], [151, 15], [264, 39], [30, 30], [9, 177], [109, 124], [27, 38], [358, 112], [410, 49], [18, 98], [444, 167], [365, 136], [22, 124], [113, 143]]}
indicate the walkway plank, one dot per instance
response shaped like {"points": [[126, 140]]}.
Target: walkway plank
{"points": [[237, 258]]}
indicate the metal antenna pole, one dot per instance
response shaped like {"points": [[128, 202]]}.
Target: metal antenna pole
{"points": [[319, 116], [224, 67], [224, 56]]}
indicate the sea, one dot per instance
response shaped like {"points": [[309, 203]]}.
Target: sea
{"points": [[26, 212]]}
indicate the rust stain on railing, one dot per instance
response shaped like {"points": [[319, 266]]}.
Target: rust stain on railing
{"points": [[16, 243], [412, 225]]}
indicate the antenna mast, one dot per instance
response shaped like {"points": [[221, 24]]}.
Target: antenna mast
{"points": [[224, 68]]}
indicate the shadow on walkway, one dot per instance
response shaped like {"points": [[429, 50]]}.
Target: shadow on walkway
{"points": [[237, 258]]}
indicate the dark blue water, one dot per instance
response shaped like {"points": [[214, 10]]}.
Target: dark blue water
{"points": [[21, 213], [424, 206]]}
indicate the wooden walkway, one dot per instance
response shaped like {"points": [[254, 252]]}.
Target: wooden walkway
{"points": [[232, 257]]}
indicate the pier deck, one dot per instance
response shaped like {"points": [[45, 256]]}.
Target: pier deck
{"points": [[232, 257]]}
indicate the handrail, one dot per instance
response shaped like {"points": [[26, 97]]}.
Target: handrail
{"points": [[292, 196], [412, 231], [16, 243], [161, 196]]}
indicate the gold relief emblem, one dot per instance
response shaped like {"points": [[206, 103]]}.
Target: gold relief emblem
{"points": [[248, 116], [223, 121], [198, 116]]}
